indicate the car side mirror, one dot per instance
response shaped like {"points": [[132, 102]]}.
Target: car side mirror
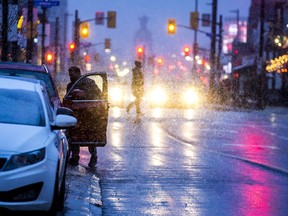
{"points": [[63, 121], [64, 111]]}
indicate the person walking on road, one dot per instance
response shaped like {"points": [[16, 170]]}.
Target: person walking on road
{"points": [[137, 88]]}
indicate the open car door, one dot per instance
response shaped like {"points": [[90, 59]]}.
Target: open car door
{"points": [[88, 98]]}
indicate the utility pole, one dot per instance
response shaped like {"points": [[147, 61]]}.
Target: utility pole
{"points": [[43, 35], [29, 49], [260, 71], [213, 47], [75, 54], [261, 40], [64, 47], [220, 42], [4, 56], [56, 45], [195, 45]]}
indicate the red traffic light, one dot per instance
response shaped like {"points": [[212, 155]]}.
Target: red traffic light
{"points": [[140, 52], [72, 46], [49, 57], [235, 52], [86, 58], [186, 51]]}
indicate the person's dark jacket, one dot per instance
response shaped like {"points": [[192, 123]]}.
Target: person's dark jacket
{"points": [[89, 87]]}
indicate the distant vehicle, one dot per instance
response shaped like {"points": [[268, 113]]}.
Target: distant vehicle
{"points": [[116, 92], [33, 147], [171, 94], [40, 72], [91, 112]]}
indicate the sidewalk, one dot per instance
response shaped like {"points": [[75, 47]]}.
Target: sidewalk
{"points": [[83, 193]]}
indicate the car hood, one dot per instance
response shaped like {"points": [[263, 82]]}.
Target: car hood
{"points": [[21, 138]]}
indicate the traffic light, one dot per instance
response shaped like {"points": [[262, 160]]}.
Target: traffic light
{"points": [[49, 58], [194, 19], [236, 57], [160, 61], [140, 51], [72, 47], [206, 20], [99, 19], [111, 20], [86, 58], [84, 30], [171, 28], [107, 44], [186, 51]]}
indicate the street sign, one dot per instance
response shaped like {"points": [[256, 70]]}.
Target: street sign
{"points": [[47, 3]]}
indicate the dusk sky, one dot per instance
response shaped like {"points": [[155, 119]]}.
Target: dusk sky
{"points": [[158, 12]]}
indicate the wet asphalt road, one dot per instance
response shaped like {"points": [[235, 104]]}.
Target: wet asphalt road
{"points": [[187, 162]]}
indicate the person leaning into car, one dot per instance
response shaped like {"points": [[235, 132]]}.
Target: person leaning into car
{"points": [[87, 90]]}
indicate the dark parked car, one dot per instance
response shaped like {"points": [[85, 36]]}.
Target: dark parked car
{"points": [[39, 72]]}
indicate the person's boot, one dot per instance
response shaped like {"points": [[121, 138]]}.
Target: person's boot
{"points": [[93, 161]]}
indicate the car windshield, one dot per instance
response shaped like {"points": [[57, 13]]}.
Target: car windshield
{"points": [[32, 75], [21, 107]]}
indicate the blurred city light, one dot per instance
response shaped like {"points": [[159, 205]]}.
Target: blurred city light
{"points": [[113, 58]]}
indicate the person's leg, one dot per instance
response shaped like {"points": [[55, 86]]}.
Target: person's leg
{"points": [[93, 159], [130, 105], [75, 149], [137, 104]]}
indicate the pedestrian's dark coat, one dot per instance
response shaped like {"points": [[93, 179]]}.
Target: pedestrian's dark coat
{"points": [[137, 82]]}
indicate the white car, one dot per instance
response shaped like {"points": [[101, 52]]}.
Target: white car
{"points": [[33, 147]]}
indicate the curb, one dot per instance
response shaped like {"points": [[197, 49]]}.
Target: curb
{"points": [[83, 193]]}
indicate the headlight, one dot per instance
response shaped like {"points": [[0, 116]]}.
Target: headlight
{"points": [[158, 96], [190, 97], [25, 159], [116, 94]]}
